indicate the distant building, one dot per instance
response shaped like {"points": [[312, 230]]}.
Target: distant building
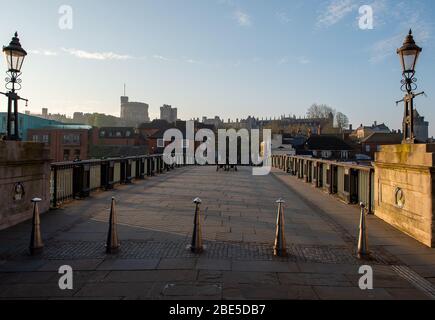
{"points": [[373, 143], [216, 121], [133, 113], [328, 147], [146, 130], [117, 142], [117, 136], [66, 142], [364, 131], [421, 128], [248, 123], [45, 113], [281, 146], [300, 126], [25, 122], [168, 113], [153, 132]]}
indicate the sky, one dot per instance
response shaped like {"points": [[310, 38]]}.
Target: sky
{"points": [[230, 58]]}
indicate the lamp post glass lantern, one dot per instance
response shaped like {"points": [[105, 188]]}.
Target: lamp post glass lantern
{"points": [[14, 55], [409, 54]]}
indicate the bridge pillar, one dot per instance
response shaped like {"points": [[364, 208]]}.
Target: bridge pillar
{"points": [[405, 189]]}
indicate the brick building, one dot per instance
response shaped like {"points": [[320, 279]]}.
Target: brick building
{"points": [[110, 142], [66, 142], [373, 143], [120, 136]]}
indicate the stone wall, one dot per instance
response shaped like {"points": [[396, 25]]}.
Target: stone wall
{"points": [[404, 189], [24, 175]]}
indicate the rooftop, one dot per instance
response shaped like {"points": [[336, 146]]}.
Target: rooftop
{"points": [[383, 137], [326, 142]]}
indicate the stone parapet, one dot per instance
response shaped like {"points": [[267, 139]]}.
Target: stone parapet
{"points": [[24, 175], [404, 189]]}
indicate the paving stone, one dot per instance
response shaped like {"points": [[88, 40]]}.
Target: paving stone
{"points": [[213, 264], [76, 265], [351, 293], [315, 279], [177, 263], [129, 264], [192, 289], [25, 277], [210, 276], [262, 266], [21, 265], [115, 290], [307, 267], [23, 290], [239, 277], [406, 294], [151, 276]]}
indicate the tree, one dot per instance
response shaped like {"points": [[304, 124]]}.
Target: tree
{"points": [[342, 121], [320, 111]]}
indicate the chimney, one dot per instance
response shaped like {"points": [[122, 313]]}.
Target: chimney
{"points": [[375, 124], [350, 127]]}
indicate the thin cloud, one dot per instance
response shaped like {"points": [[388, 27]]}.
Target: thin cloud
{"points": [[192, 61], [283, 17], [283, 60], [47, 53], [386, 48], [81, 54], [335, 12], [303, 60], [242, 18], [161, 58], [300, 60]]}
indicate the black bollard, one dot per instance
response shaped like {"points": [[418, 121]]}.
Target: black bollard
{"points": [[280, 247], [197, 246], [112, 245], [363, 246]]}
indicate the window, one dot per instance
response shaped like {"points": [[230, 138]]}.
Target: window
{"points": [[118, 134], [35, 138], [45, 138], [128, 134], [66, 155], [367, 148], [160, 143], [71, 139], [379, 147]]}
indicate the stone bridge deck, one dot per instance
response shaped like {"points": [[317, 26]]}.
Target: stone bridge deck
{"points": [[155, 220]]}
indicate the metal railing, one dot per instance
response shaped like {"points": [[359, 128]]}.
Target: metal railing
{"points": [[76, 180], [350, 182]]}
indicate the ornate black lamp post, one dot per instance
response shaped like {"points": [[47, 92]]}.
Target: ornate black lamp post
{"points": [[409, 54], [14, 55]]}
